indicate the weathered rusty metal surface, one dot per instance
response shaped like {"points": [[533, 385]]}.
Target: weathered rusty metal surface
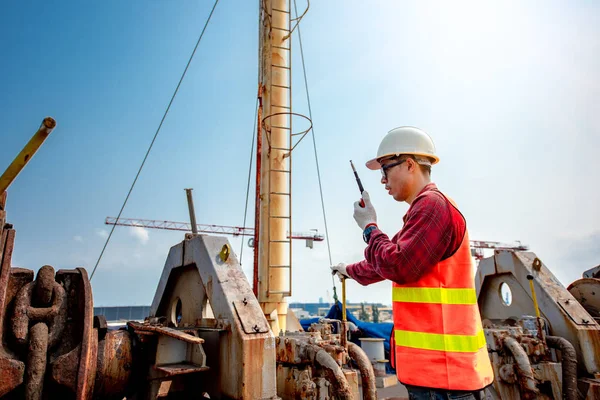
{"points": [[213, 324], [11, 280], [251, 316], [3, 196], [64, 369], [80, 338], [590, 388], [569, 365], [163, 330], [101, 326], [367, 374], [298, 382], [115, 364], [36, 361], [7, 240], [12, 374], [565, 316], [587, 293], [89, 343], [180, 369], [352, 379], [43, 301], [524, 371], [240, 354], [549, 375], [38, 321]]}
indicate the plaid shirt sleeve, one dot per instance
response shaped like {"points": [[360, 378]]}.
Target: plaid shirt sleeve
{"points": [[431, 233]]}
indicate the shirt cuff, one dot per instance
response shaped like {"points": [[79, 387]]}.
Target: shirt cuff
{"points": [[350, 271]]}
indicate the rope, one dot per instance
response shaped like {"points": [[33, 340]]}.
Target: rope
{"points": [[249, 175], [315, 149], [254, 131], [154, 138]]}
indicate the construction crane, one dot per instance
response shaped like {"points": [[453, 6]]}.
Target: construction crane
{"points": [[478, 246], [310, 237]]}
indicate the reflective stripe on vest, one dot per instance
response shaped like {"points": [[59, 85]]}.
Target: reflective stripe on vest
{"points": [[434, 295], [441, 342]]}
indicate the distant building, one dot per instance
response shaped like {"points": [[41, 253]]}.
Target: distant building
{"points": [[123, 313], [301, 314], [321, 309]]}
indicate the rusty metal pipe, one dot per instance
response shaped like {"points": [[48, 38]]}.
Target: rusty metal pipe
{"points": [[524, 371], [569, 365], [25, 155], [332, 369], [366, 371]]}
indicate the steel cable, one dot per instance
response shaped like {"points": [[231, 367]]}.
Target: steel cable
{"points": [[154, 138], [249, 175], [254, 132], [315, 149]]}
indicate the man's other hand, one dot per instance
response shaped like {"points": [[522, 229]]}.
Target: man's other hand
{"points": [[365, 215], [340, 271]]}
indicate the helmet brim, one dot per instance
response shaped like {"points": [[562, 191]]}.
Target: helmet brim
{"points": [[374, 163]]}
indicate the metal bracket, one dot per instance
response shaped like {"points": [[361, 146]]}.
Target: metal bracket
{"points": [[251, 316]]}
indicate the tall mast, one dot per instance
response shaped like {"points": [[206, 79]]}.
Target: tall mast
{"points": [[273, 253]]}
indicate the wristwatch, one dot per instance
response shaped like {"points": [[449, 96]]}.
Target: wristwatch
{"points": [[367, 232]]}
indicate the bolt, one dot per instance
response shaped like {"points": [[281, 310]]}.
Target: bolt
{"points": [[245, 301], [255, 327], [567, 301], [585, 321]]}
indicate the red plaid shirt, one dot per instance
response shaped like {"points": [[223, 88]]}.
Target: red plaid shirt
{"points": [[433, 230]]}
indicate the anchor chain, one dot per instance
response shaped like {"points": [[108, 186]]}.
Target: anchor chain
{"points": [[38, 322]]}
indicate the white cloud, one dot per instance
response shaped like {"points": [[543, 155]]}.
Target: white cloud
{"points": [[140, 233], [77, 238], [103, 233]]}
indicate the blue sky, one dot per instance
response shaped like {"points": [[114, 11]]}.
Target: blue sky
{"points": [[508, 90]]}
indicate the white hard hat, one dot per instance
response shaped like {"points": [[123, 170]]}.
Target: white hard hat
{"points": [[406, 140]]}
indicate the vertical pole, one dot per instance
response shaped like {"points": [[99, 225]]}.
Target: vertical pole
{"points": [[190, 201], [344, 332], [255, 274], [273, 245]]}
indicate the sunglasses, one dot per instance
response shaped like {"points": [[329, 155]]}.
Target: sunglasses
{"points": [[385, 167]]}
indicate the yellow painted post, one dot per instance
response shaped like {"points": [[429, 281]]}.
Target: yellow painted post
{"points": [[25, 155], [275, 227]]}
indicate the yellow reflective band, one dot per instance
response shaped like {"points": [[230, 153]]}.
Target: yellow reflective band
{"points": [[434, 341], [434, 295]]}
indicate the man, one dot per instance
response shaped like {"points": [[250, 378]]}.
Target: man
{"points": [[440, 349]]}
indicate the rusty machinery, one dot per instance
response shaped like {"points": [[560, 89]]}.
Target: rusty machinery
{"points": [[206, 337], [544, 340]]}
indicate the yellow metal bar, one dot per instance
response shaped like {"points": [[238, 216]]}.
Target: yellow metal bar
{"points": [[25, 155], [535, 303], [344, 299]]}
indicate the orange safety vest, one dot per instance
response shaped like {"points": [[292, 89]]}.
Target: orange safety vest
{"points": [[439, 339]]}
